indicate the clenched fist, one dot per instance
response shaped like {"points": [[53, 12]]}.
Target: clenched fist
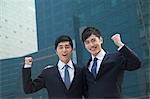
{"points": [[117, 40], [28, 60]]}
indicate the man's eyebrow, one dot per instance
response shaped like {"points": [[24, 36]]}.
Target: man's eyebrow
{"points": [[67, 44], [60, 45]]}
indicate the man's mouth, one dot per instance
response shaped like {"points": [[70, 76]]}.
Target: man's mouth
{"points": [[93, 48], [64, 55]]}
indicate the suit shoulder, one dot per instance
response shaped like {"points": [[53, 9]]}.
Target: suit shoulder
{"points": [[49, 67], [114, 54]]}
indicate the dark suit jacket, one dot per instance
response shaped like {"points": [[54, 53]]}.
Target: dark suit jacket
{"points": [[51, 80], [110, 76]]}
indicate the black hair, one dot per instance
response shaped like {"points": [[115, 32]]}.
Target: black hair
{"points": [[63, 38], [87, 32]]}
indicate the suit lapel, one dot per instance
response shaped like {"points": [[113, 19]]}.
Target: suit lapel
{"points": [[76, 72], [74, 78], [88, 64], [59, 76], [100, 72]]}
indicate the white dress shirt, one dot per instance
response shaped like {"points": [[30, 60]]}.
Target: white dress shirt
{"points": [[62, 69], [100, 57], [27, 66]]}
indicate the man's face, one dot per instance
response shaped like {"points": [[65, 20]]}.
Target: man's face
{"points": [[93, 44], [64, 51]]}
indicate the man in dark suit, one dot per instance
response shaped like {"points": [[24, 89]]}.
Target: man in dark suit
{"points": [[104, 71], [65, 80]]}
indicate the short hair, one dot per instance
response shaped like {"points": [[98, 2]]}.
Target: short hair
{"points": [[63, 38], [87, 32]]}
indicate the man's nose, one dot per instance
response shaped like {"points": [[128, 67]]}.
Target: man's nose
{"points": [[91, 44], [64, 49]]}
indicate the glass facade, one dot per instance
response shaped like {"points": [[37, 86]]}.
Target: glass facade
{"points": [[55, 17], [143, 7]]}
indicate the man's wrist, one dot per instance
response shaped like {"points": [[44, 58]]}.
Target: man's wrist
{"points": [[27, 66], [120, 46]]}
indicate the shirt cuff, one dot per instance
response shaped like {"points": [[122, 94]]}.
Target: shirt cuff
{"points": [[27, 66], [120, 47]]}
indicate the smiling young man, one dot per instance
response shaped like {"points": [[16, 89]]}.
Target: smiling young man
{"points": [[62, 81], [104, 71]]}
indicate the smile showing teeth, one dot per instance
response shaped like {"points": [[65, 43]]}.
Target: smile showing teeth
{"points": [[93, 48]]}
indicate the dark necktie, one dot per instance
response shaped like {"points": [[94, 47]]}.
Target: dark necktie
{"points": [[94, 66], [66, 77]]}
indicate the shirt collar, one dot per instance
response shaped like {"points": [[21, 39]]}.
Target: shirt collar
{"points": [[100, 55], [62, 64]]}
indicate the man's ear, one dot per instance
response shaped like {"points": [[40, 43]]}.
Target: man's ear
{"points": [[101, 39]]}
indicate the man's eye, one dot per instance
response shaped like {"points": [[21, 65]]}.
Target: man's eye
{"points": [[67, 46], [93, 40], [60, 47]]}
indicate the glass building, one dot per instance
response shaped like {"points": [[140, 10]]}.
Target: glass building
{"points": [[55, 17]]}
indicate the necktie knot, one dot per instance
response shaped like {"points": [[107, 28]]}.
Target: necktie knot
{"points": [[66, 66], [95, 59]]}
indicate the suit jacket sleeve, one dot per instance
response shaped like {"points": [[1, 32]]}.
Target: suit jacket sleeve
{"points": [[131, 61], [85, 87], [30, 86]]}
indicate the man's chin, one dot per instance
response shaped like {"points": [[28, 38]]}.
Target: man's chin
{"points": [[65, 60], [94, 53]]}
